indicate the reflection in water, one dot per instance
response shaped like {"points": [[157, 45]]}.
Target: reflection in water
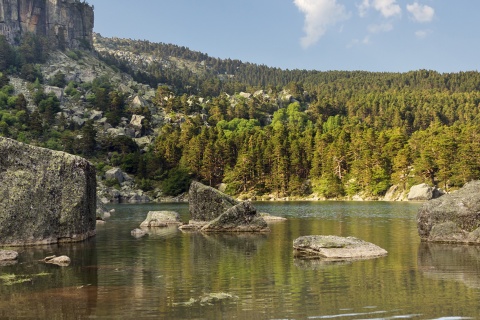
{"points": [[174, 275], [316, 264], [451, 262]]}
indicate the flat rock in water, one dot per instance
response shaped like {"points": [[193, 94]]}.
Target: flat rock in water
{"points": [[62, 261], [336, 248], [269, 218], [452, 218], [8, 255], [161, 219]]}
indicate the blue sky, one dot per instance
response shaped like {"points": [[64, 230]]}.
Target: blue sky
{"points": [[370, 35]]}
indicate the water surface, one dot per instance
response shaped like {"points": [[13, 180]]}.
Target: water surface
{"points": [[170, 274]]}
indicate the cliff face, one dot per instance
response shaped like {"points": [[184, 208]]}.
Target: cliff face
{"points": [[45, 196], [67, 23]]}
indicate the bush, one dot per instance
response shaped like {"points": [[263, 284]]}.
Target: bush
{"points": [[177, 182]]}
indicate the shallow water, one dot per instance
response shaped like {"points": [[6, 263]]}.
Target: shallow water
{"points": [[171, 275]]}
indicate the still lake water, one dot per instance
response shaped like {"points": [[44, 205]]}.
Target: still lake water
{"points": [[166, 274]]}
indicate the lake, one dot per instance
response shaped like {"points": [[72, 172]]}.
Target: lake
{"points": [[171, 274]]}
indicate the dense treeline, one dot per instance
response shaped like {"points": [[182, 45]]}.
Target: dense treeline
{"points": [[297, 132]]}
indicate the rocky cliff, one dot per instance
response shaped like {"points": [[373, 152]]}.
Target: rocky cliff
{"points": [[45, 196], [67, 23]]}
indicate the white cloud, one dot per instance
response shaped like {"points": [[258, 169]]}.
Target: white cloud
{"points": [[379, 28], [422, 34], [356, 42], [319, 15], [363, 8], [388, 8], [421, 13]]}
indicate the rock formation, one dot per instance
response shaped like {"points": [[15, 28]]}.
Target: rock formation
{"points": [[45, 196], [240, 218], [453, 217], [66, 23], [161, 219], [206, 203], [423, 192], [214, 211], [336, 248]]}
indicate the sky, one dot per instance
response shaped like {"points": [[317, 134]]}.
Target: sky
{"points": [[368, 35]]}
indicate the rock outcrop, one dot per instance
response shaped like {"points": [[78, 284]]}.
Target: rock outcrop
{"points": [[453, 218], [161, 219], [423, 192], [240, 218], [45, 196], [336, 248], [214, 211], [207, 203], [66, 23]]}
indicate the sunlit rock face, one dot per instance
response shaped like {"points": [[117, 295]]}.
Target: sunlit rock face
{"points": [[66, 23], [45, 196], [452, 218]]}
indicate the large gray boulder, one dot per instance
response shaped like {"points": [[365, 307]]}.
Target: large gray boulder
{"points": [[424, 192], [206, 203], [453, 218], [45, 196], [240, 218], [161, 219], [336, 248]]}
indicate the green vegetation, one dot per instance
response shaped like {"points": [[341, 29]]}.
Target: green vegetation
{"points": [[291, 133]]}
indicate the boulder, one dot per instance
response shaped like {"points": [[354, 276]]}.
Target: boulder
{"points": [[62, 261], [46, 196], [161, 219], [115, 174], [240, 218], [206, 203], [423, 192], [452, 218], [8, 255], [336, 248]]}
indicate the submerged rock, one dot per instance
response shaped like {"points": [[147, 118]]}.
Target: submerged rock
{"points": [[62, 261], [336, 248], [46, 196], [161, 219], [8, 255], [269, 218], [138, 233], [453, 218], [241, 218]]}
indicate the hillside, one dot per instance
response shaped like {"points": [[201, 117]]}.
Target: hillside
{"points": [[166, 115]]}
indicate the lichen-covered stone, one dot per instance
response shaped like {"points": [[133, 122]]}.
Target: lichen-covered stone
{"points": [[206, 203], [66, 23], [45, 196], [161, 219], [336, 248], [241, 218], [453, 218]]}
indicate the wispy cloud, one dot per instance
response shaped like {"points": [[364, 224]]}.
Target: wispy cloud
{"points": [[379, 28], [319, 15], [388, 8], [356, 42], [422, 34], [421, 13]]}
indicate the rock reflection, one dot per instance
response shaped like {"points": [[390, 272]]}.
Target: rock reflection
{"points": [[451, 262], [163, 232], [216, 243], [317, 263], [51, 290]]}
